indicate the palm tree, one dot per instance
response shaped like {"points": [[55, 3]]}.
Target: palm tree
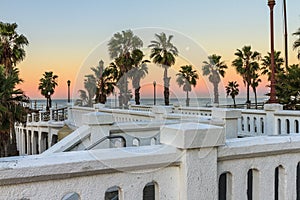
{"points": [[11, 46], [232, 89], [120, 47], [139, 71], [84, 99], [266, 64], [187, 77], [254, 84], [105, 85], [163, 52], [11, 110], [297, 42], [90, 86], [122, 43], [47, 86], [214, 68], [246, 64]]}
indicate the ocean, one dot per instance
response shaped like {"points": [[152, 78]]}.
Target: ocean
{"points": [[112, 102]]}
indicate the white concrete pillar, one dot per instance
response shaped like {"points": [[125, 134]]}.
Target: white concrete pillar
{"points": [[228, 119], [270, 122], [33, 116], [51, 114], [239, 184], [266, 181], [100, 124], [198, 170]]}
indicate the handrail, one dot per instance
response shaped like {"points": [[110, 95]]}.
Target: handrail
{"points": [[105, 138]]}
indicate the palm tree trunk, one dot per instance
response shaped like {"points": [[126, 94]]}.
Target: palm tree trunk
{"points": [[166, 87], [248, 95], [255, 97], [216, 93], [187, 99], [137, 95], [50, 102], [234, 104]]}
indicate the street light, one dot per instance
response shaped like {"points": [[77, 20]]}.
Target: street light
{"points": [[271, 4], [68, 82], [154, 85]]}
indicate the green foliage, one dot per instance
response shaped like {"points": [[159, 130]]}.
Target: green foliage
{"points": [[163, 52], [266, 64], [287, 87], [247, 65], [122, 43], [296, 44], [47, 86], [232, 89], [187, 77], [11, 46], [11, 106], [214, 68]]}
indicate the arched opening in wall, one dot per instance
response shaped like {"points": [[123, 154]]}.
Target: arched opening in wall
{"points": [[135, 142], [225, 186], [54, 140], [298, 181], [255, 124], [150, 191], [153, 141], [287, 126], [71, 196], [36, 142], [296, 126], [113, 193], [118, 142], [279, 183], [252, 184], [279, 126], [242, 123], [262, 125], [44, 141], [248, 124], [29, 143]]}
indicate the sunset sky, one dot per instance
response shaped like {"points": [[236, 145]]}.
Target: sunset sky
{"points": [[70, 36]]}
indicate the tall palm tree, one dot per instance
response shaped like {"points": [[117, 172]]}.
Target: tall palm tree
{"points": [[187, 77], [163, 52], [11, 46], [297, 42], [214, 68], [232, 89], [266, 64], [254, 84], [11, 110], [120, 47], [246, 63], [47, 86], [139, 71]]}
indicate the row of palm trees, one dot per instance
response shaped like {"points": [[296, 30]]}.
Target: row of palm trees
{"points": [[124, 48]]}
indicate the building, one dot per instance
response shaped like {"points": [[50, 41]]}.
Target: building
{"points": [[158, 153]]}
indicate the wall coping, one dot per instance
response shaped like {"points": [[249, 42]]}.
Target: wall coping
{"points": [[25, 169], [249, 147]]}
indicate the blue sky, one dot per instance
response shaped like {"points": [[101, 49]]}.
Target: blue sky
{"points": [[62, 33]]}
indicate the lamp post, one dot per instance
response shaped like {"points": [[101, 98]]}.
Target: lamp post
{"points": [[271, 4], [69, 82], [154, 99]]}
